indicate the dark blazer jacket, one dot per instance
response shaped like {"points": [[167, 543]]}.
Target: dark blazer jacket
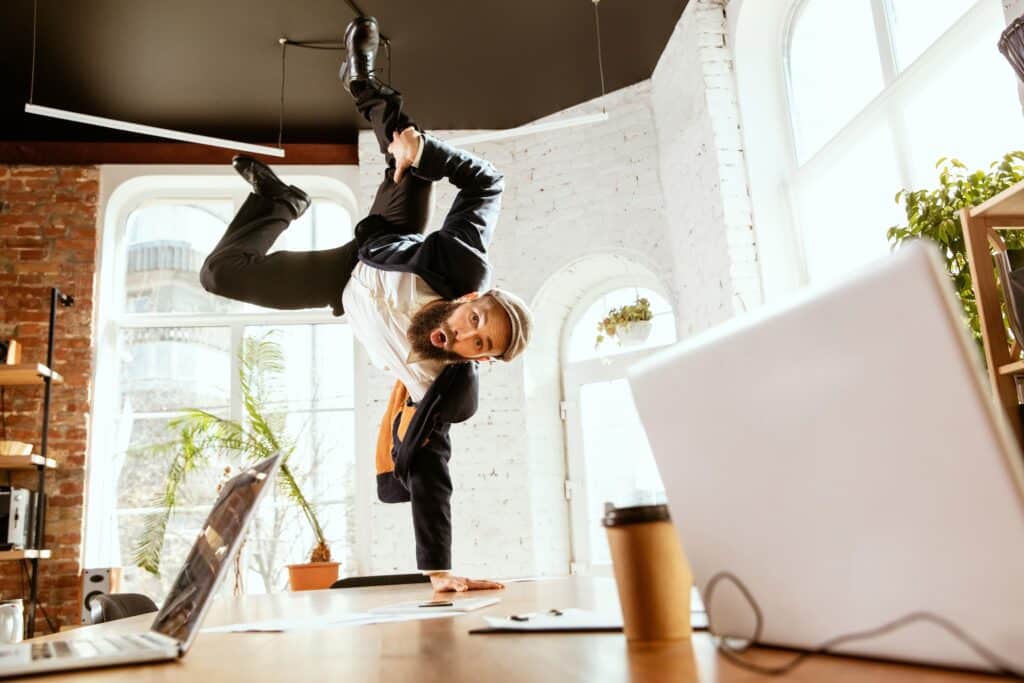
{"points": [[453, 261]]}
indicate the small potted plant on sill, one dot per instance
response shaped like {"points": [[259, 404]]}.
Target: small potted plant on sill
{"points": [[203, 435], [630, 324]]}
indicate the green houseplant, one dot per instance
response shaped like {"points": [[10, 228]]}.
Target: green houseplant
{"points": [[625, 321], [203, 437], [935, 214]]}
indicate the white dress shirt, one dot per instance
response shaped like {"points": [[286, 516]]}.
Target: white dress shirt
{"points": [[380, 305]]}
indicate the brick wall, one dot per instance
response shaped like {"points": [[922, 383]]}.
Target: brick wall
{"points": [[48, 238]]}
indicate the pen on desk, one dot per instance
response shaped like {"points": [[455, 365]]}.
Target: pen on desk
{"points": [[437, 603]]}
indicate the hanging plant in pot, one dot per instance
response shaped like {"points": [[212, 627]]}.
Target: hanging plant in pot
{"points": [[204, 438], [630, 325]]}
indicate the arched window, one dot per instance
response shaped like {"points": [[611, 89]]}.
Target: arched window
{"points": [[168, 345], [609, 458], [873, 93]]}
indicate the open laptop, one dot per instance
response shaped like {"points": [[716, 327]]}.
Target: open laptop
{"points": [[842, 456], [177, 623]]}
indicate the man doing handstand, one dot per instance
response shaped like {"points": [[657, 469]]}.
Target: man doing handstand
{"points": [[419, 304]]}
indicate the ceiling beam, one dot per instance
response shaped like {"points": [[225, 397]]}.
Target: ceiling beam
{"points": [[96, 153]]}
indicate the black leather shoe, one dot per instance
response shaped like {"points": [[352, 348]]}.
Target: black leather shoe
{"points": [[362, 39], [266, 184]]}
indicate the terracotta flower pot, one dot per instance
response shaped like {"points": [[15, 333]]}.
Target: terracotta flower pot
{"points": [[312, 576]]}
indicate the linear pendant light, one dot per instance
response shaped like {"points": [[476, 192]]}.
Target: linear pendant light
{"points": [[151, 130], [546, 126]]}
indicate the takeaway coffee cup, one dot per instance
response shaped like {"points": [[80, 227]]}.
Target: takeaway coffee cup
{"points": [[651, 572], [11, 623]]}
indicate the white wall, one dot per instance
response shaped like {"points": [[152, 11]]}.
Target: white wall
{"points": [[660, 185], [703, 171], [1013, 9]]}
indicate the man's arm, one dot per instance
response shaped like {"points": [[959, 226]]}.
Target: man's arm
{"points": [[474, 212], [430, 490]]}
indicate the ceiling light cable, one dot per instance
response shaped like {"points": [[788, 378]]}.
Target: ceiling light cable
{"points": [[280, 111], [315, 45], [597, 30], [32, 80]]}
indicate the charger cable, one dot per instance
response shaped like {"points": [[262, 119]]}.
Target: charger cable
{"points": [[733, 654]]}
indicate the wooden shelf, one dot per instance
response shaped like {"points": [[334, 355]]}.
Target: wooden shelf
{"points": [[1012, 368], [6, 555], [27, 373], [25, 462], [1009, 202]]}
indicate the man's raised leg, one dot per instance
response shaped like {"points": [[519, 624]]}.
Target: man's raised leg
{"points": [[404, 206], [239, 267]]}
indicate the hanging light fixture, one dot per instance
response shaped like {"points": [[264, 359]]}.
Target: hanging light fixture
{"points": [[547, 126], [142, 129]]}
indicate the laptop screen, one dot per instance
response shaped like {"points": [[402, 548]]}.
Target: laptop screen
{"points": [[212, 553]]}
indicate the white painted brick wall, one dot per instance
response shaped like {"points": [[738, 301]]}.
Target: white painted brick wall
{"points": [[703, 171], [661, 182]]}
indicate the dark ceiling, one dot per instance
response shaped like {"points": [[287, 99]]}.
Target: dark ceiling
{"points": [[214, 66]]}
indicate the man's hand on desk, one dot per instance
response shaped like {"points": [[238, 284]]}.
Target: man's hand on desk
{"points": [[443, 582]]}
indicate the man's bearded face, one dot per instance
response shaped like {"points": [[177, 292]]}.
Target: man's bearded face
{"points": [[429, 327]]}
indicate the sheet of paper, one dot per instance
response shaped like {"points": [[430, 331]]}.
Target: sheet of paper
{"points": [[325, 621], [570, 619]]}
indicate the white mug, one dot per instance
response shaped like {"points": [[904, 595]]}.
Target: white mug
{"points": [[11, 621]]}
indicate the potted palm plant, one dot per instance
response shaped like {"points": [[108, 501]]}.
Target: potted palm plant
{"points": [[629, 325], [203, 437]]}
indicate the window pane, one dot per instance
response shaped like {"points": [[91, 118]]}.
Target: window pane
{"points": [[619, 464], [312, 400], [582, 343], [163, 370], [169, 368], [834, 69], [977, 129], [318, 365], [845, 206], [166, 245], [916, 24], [324, 226]]}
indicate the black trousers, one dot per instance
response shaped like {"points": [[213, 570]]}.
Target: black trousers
{"points": [[240, 268]]}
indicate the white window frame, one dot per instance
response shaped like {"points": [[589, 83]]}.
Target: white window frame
{"points": [[126, 189], [760, 33]]}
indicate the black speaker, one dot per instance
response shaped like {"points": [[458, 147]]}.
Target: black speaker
{"points": [[95, 582]]}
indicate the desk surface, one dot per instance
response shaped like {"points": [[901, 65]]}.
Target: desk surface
{"points": [[442, 649]]}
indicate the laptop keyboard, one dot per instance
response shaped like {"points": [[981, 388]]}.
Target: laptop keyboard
{"points": [[96, 647]]}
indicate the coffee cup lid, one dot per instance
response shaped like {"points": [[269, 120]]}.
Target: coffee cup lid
{"points": [[638, 514]]}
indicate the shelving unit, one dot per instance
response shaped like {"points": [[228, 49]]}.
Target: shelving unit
{"points": [[25, 374], [6, 555], [25, 462], [1005, 211]]}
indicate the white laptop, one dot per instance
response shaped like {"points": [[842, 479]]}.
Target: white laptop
{"points": [[843, 457], [177, 623]]}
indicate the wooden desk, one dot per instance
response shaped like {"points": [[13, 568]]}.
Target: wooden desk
{"points": [[442, 650]]}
